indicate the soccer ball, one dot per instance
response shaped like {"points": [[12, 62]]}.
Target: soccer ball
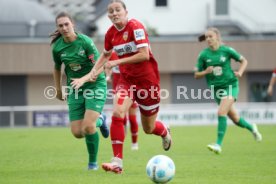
{"points": [[160, 169]]}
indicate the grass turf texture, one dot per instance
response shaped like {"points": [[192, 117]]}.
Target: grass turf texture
{"points": [[52, 155]]}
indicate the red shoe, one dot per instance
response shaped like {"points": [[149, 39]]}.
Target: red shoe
{"points": [[115, 166]]}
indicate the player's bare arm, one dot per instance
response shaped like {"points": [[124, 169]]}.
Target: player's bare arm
{"points": [[242, 68], [141, 56], [93, 74], [201, 74], [57, 79]]}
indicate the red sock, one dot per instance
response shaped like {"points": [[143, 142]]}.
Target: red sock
{"points": [[159, 129], [133, 128], [117, 136]]}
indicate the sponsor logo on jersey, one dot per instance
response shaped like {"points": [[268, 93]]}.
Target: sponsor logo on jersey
{"points": [[126, 48], [222, 58], [63, 54], [125, 35], [75, 67], [139, 34], [208, 60]]}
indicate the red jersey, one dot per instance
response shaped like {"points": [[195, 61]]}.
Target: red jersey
{"points": [[125, 43]]}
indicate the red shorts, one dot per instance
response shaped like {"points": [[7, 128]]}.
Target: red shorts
{"points": [[143, 90]]}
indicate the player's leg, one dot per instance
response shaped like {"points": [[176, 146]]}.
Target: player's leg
{"points": [[121, 104], [76, 129], [149, 107], [81, 127], [91, 137], [239, 121], [133, 125], [224, 107], [94, 103], [152, 126]]}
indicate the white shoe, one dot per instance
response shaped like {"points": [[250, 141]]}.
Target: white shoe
{"points": [[116, 165], [134, 146], [257, 135], [215, 148], [167, 140]]}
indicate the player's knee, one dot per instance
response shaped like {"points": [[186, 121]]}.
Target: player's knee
{"points": [[88, 130], [77, 135], [148, 130], [222, 112], [235, 119]]}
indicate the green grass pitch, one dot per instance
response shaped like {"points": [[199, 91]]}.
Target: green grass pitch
{"points": [[52, 155]]}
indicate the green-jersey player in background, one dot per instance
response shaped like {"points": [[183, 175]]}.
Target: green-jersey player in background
{"points": [[78, 54], [214, 63]]}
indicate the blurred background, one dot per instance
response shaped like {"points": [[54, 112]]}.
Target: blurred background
{"points": [[173, 26]]}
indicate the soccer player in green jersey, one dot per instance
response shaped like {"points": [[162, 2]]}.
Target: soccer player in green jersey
{"points": [[214, 63], [78, 54]]}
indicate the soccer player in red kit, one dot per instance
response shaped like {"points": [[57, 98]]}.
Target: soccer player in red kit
{"points": [[139, 80], [113, 76]]}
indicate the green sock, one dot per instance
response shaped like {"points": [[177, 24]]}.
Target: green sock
{"points": [[99, 122], [244, 124], [92, 144], [222, 125]]}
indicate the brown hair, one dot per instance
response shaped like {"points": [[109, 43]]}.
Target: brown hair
{"points": [[118, 1], [56, 34]]}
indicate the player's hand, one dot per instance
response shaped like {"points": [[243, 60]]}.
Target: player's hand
{"points": [[77, 83], [109, 65], [209, 69], [59, 95], [238, 74]]}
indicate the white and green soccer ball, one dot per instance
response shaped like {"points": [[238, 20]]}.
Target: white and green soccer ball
{"points": [[160, 169]]}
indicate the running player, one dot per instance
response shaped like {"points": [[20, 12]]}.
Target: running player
{"points": [[214, 63], [139, 80], [78, 53]]}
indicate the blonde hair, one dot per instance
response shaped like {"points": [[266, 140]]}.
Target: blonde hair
{"points": [[217, 32], [202, 37]]}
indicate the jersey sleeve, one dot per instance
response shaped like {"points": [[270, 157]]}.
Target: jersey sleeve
{"points": [[108, 41], [234, 54], [91, 49], [140, 35], [56, 59]]}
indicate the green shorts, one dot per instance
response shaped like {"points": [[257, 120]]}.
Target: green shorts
{"points": [[92, 98], [232, 90]]}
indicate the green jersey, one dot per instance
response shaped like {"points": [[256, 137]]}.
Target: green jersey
{"points": [[78, 58], [220, 59]]}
